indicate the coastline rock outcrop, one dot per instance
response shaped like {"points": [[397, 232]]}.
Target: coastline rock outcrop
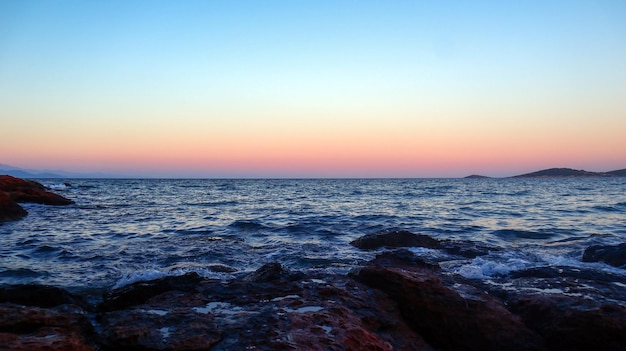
{"points": [[397, 301], [15, 190]]}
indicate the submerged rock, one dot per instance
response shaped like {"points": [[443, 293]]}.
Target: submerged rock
{"points": [[614, 255]]}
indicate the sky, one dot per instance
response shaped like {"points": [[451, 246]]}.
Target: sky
{"points": [[313, 88]]}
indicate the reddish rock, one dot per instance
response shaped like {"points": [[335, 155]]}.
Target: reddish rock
{"points": [[9, 209], [270, 309], [22, 190], [455, 317], [64, 327], [573, 323], [40, 296], [151, 329]]}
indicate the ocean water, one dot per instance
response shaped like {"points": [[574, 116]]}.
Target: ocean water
{"points": [[121, 231]]}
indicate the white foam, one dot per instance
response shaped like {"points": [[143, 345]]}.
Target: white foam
{"points": [[304, 309], [154, 273], [60, 186], [139, 276], [481, 268], [218, 307], [285, 297]]}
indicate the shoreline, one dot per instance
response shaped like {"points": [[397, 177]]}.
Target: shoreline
{"points": [[397, 301]]}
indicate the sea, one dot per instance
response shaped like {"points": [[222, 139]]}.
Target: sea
{"points": [[126, 230]]}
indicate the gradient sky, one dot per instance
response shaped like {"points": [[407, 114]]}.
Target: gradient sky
{"points": [[313, 88]]}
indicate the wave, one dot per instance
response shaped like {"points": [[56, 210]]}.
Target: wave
{"points": [[248, 225], [513, 234], [22, 273], [148, 274], [510, 262], [618, 207]]}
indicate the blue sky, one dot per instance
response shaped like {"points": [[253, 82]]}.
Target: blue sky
{"points": [[322, 88]]}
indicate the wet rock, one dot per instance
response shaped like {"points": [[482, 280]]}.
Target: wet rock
{"points": [[394, 238], [137, 293], [9, 209], [573, 323], [613, 255], [465, 249], [455, 317], [272, 272], [271, 309], [64, 327], [40, 296], [178, 329], [402, 238], [22, 190]]}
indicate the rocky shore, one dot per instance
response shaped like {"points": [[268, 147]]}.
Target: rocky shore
{"points": [[398, 301], [16, 190]]}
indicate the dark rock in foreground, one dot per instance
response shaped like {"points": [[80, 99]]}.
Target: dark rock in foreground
{"points": [[450, 316], [398, 301], [35, 317], [613, 255], [14, 190]]}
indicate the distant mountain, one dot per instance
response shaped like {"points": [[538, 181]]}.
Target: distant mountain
{"points": [[570, 173], [618, 173], [26, 173], [38, 174], [476, 176]]}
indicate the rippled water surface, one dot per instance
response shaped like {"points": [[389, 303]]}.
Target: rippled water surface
{"points": [[123, 230]]}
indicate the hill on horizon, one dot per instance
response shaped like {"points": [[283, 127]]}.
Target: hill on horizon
{"points": [[570, 172]]}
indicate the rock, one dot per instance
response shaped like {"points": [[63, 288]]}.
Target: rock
{"points": [[402, 238], [270, 309], [394, 238], [34, 328], [34, 317], [398, 301], [22, 190], [458, 318], [9, 209], [40, 296], [573, 323], [178, 329], [613, 255], [138, 293]]}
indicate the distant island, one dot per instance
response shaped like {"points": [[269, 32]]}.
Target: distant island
{"points": [[570, 173], [476, 176], [561, 173]]}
